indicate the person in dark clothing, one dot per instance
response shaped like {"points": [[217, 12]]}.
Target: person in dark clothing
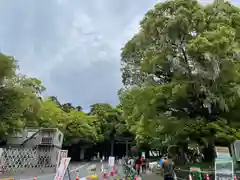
{"points": [[168, 168]]}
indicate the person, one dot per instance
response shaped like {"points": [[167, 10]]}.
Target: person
{"points": [[138, 165], [161, 162], [143, 164], [168, 168], [131, 162]]}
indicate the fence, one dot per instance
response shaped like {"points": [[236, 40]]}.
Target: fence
{"points": [[204, 175], [183, 174], [27, 159], [72, 174]]}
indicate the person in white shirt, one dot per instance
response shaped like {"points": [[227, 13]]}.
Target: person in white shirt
{"points": [[131, 162]]}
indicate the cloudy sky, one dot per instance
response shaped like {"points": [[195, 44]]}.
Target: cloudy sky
{"points": [[73, 46]]}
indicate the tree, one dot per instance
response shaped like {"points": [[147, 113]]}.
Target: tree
{"points": [[51, 115], [79, 127], [185, 64], [67, 107], [55, 99], [31, 101], [108, 122], [19, 97], [79, 108], [75, 125]]}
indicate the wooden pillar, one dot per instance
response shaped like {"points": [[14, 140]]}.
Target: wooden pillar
{"points": [[82, 151], [126, 142]]}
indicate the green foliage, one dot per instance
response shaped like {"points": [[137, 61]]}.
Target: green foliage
{"points": [[108, 121], [182, 73], [76, 126], [18, 100]]}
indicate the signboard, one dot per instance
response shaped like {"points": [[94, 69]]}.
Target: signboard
{"points": [[62, 169], [222, 152], [60, 155], [196, 173], [1, 161], [195, 169], [11, 178], [224, 168], [111, 161]]}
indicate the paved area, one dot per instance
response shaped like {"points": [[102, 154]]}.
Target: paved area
{"points": [[80, 169], [46, 174], [152, 176]]}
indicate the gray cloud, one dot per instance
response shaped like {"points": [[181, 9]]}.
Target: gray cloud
{"points": [[72, 45]]}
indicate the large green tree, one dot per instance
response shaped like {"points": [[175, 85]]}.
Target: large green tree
{"points": [[108, 122], [184, 64], [19, 99]]}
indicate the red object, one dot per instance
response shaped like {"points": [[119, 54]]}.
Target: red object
{"points": [[143, 160], [77, 178], [34, 178], [137, 178], [207, 177], [235, 178], [112, 173], [105, 176]]}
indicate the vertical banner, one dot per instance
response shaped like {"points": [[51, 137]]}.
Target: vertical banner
{"points": [[111, 161], [62, 169], [1, 161], [60, 155]]}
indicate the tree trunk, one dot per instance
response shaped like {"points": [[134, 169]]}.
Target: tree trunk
{"points": [[82, 151], [209, 152]]}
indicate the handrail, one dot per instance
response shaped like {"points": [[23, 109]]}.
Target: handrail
{"points": [[25, 141]]}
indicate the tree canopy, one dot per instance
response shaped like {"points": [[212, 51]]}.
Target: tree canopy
{"points": [[181, 73]]}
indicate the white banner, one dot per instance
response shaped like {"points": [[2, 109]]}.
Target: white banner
{"points": [[62, 169], [111, 161], [60, 155]]}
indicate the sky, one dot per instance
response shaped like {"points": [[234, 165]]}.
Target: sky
{"points": [[73, 46]]}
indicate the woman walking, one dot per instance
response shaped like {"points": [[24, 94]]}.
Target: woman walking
{"points": [[138, 165]]}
